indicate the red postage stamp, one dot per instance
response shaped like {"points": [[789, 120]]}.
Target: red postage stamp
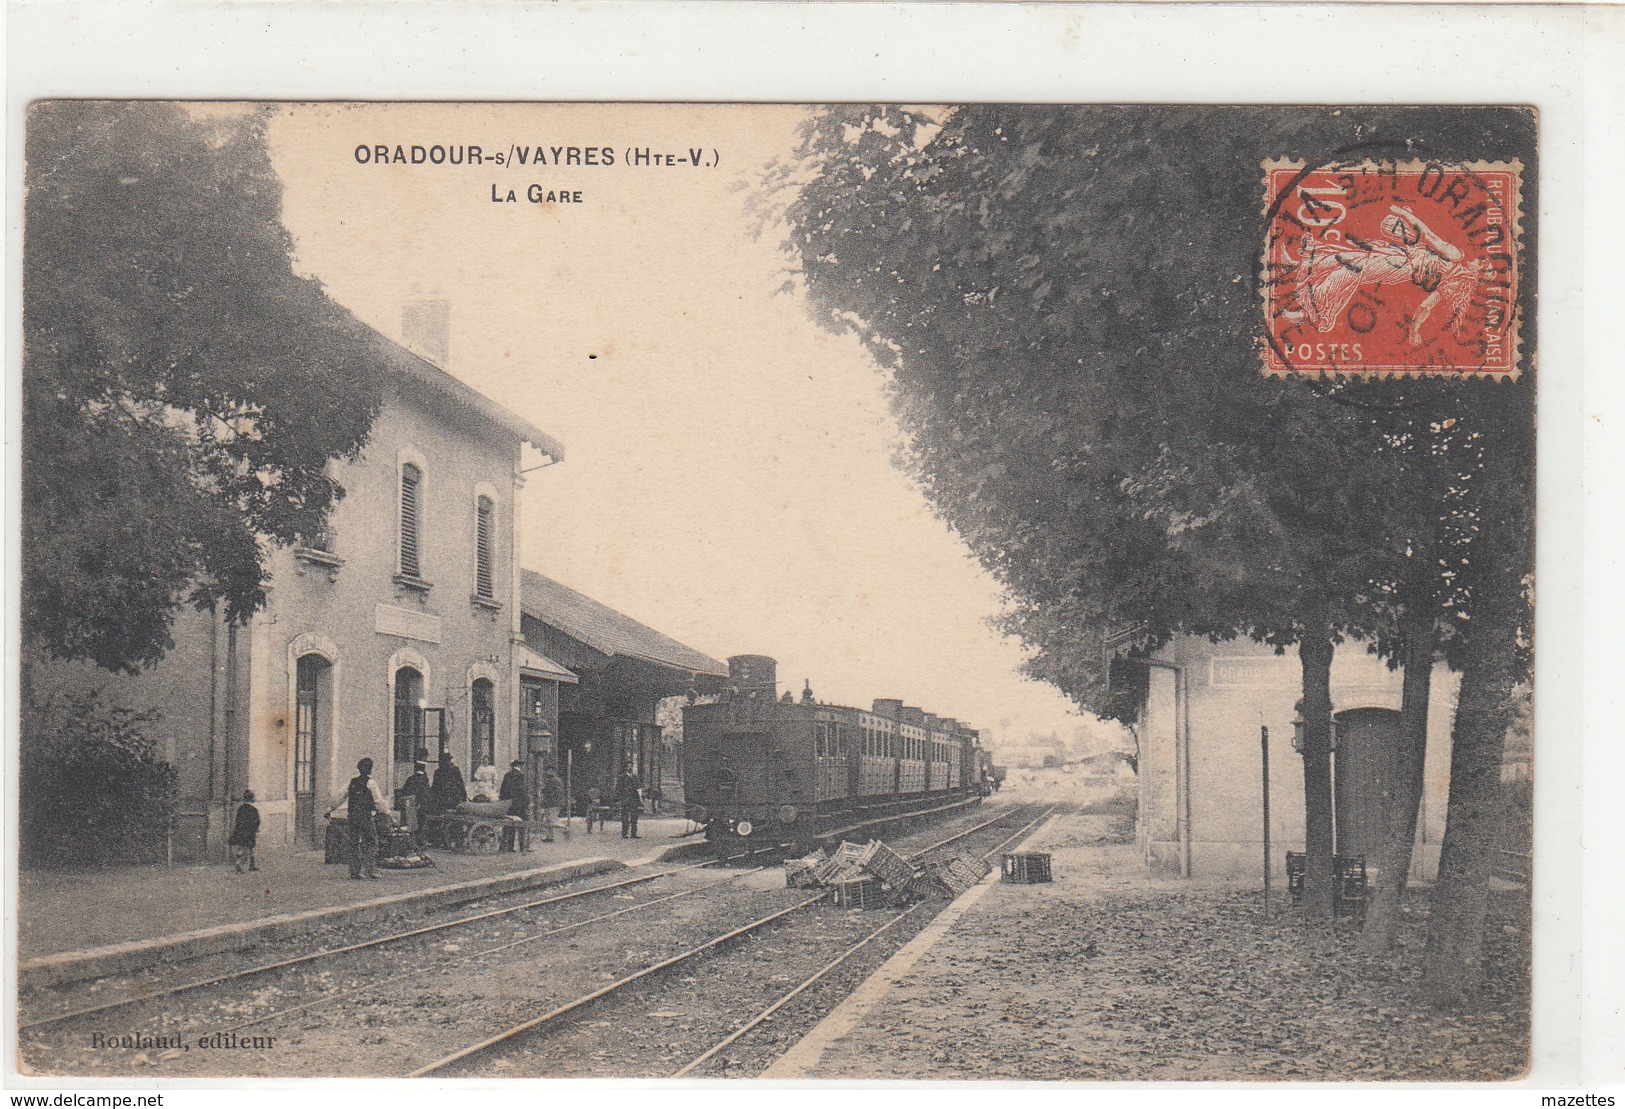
{"points": [[1379, 269]]}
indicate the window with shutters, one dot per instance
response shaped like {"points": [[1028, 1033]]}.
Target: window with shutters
{"points": [[411, 520], [484, 548]]}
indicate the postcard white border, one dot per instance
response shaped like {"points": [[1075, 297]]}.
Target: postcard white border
{"points": [[1560, 59]]}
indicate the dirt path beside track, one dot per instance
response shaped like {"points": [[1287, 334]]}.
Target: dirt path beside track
{"points": [[1111, 973]]}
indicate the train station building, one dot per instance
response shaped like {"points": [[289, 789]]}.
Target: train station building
{"points": [[408, 627], [398, 630]]}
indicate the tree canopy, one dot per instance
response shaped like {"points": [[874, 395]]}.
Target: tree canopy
{"points": [[183, 389], [1068, 300]]}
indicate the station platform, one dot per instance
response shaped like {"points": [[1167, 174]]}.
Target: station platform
{"points": [[1029, 966], [849, 1042], [85, 923], [1109, 972]]}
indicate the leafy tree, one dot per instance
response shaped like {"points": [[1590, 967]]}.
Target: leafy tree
{"points": [[183, 390], [1066, 299], [94, 788], [1490, 645]]}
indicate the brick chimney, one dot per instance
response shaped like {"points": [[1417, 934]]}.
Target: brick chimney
{"points": [[426, 328]]}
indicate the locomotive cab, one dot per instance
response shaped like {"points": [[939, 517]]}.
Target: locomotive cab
{"points": [[751, 771]]}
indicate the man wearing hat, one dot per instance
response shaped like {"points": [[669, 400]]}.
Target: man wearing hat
{"points": [[552, 798], [412, 799], [517, 794], [363, 802]]}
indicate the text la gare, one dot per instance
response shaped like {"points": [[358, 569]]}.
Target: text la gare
{"points": [[535, 194]]}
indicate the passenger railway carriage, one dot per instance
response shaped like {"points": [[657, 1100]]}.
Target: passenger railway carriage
{"points": [[761, 769]]}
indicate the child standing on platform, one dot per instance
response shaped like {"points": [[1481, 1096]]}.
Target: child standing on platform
{"points": [[245, 830]]}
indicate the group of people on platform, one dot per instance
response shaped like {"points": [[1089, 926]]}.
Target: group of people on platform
{"points": [[419, 798]]}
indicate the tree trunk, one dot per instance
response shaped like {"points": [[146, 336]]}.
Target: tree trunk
{"points": [[1393, 855], [1315, 656], [1453, 962]]}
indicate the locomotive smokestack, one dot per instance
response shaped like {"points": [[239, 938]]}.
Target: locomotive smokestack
{"points": [[756, 674]]}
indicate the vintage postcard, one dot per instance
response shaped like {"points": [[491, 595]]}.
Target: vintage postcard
{"points": [[785, 591]]}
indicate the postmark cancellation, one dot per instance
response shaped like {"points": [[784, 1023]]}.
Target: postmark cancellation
{"points": [[1379, 269]]}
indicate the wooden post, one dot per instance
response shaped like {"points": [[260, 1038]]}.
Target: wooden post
{"points": [[1264, 747]]}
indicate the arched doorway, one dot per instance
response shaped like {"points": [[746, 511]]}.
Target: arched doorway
{"points": [[483, 724], [408, 723], [313, 713]]}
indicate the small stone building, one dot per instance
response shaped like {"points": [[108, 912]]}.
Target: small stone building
{"points": [[1200, 772]]}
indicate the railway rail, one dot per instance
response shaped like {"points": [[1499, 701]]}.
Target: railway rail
{"points": [[763, 1016], [823, 972], [557, 1015], [336, 989], [324, 953]]}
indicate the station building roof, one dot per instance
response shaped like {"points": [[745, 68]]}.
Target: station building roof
{"points": [[605, 630], [533, 662], [420, 369]]}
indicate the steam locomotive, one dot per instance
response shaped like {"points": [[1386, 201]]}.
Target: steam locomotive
{"points": [[760, 769]]}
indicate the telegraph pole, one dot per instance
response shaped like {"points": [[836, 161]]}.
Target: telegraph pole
{"points": [[1264, 751]]}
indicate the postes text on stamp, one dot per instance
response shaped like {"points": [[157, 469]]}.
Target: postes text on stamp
{"points": [[1380, 269]]}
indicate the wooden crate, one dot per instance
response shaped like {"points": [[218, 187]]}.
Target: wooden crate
{"points": [[1026, 867], [1348, 881], [889, 866], [954, 876], [846, 861], [858, 893]]}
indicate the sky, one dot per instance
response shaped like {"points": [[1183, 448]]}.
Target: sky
{"points": [[728, 476]]}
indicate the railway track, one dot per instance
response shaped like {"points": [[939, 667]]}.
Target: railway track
{"points": [[323, 953], [541, 1024], [414, 970], [764, 1015]]}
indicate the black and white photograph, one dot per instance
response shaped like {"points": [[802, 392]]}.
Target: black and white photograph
{"points": [[981, 591]]}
